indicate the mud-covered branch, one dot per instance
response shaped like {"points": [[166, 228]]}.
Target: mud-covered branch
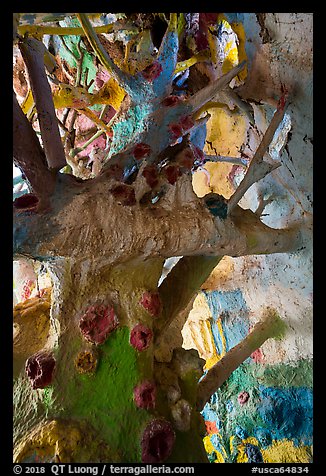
{"points": [[88, 221], [181, 284], [33, 54], [271, 326]]}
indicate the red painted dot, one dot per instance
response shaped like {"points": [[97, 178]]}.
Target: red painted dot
{"points": [[157, 441], [97, 323], [175, 130], [39, 369], [172, 100], [199, 154], [186, 122], [145, 395], [152, 71], [141, 150], [124, 194], [115, 171], [151, 302], [172, 173], [186, 158], [141, 337], [26, 202], [150, 173]]}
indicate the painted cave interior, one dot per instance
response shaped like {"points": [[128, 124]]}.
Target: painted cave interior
{"points": [[162, 201]]}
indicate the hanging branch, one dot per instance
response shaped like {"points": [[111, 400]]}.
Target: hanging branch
{"points": [[28, 154], [271, 326], [33, 54], [100, 52]]}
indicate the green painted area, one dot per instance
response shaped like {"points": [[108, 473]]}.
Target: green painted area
{"points": [[279, 326], [89, 69], [249, 377], [48, 398], [105, 399]]}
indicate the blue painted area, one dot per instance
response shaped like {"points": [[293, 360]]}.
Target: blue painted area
{"points": [[216, 442], [229, 406], [254, 454], [28, 18], [198, 136], [231, 307], [235, 17], [264, 436], [288, 412], [20, 236], [168, 60], [241, 432]]}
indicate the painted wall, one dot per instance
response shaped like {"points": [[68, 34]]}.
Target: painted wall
{"points": [[264, 411]]}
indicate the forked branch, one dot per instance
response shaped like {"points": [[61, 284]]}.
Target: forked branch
{"points": [[258, 169]]}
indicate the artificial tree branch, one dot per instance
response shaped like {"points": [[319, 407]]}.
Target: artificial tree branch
{"points": [[29, 156], [133, 231], [271, 326], [206, 94], [33, 54], [258, 169], [100, 52], [180, 285], [223, 158]]}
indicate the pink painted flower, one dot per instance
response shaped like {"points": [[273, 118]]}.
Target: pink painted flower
{"points": [[243, 397], [257, 356], [157, 441], [27, 289], [152, 71], [151, 302], [39, 369], [141, 150], [141, 337], [97, 323], [145, 395]]}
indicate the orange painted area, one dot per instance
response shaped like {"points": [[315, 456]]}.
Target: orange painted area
{"points": [[211, 427]]}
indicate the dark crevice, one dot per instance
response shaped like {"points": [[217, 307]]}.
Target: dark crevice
{"points": [[264, 33]]}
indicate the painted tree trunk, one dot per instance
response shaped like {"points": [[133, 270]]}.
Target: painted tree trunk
{"points": [[105, 384]]}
